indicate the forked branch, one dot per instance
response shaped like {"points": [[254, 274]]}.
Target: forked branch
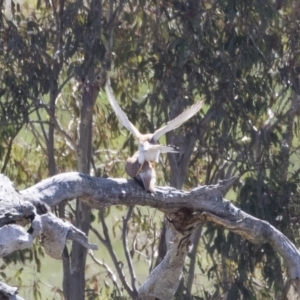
{"points": [[184, 211]]}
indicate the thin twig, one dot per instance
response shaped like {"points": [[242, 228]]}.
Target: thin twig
{"points": [[9, 148], [108, 270], [64, 83], [290, 113], [70, 141], [42, 126], [151, 264], [126, 248], [114, 258], [37, 136], [193, 254], [98, 235], [257, 48]]}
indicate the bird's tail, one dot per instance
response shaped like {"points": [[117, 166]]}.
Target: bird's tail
{"points": [[170, 149]]}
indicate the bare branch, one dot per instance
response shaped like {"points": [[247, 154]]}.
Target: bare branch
{"points": [[102, 192], [42, 125], [164, 279], [204, 201], [59, 129], [37, 136], [14, 237], [258, 231], [107, 243], [98, 235], [108, 270], [126, 248], [8, 292], [193, 254], [79, 237], [9, 148], [114, 258]]}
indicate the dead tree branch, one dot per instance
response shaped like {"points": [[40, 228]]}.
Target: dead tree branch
{"points": [[184, 212]]}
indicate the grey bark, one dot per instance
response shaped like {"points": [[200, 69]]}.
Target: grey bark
{"points": [[90, 89], [12, 208], [184, 211], [8, 293], [15, 212]]}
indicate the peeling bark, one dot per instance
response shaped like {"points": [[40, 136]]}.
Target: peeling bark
{"points": [[15, 212], [8, 292], [164, 279], [184, 212]]}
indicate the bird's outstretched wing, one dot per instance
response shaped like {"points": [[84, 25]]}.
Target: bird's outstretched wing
{"points": [[119, 112], [187, 114]]}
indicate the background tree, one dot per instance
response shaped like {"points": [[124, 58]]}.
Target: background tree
{"points": [[242, 57]]}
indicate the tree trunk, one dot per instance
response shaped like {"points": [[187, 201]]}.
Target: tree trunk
{"points": [[83, 211]]}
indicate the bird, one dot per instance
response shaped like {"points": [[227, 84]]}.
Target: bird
{"points": [[148, 147], [144, 174]]}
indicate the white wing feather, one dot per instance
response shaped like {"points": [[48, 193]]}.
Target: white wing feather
{"points": [[119, 112], [162, 148], [175, 123]]}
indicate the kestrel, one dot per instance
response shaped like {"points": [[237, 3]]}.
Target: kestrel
{"points": [[144, 174], [149, 149]]}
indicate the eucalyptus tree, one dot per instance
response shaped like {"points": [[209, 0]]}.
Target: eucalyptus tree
{"points": [[44, 47], [242, 57]]}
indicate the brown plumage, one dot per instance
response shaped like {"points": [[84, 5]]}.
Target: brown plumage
{"points": [[144, 174]]}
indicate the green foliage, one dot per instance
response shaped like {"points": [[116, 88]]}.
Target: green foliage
{"points": [[242, 56]]}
